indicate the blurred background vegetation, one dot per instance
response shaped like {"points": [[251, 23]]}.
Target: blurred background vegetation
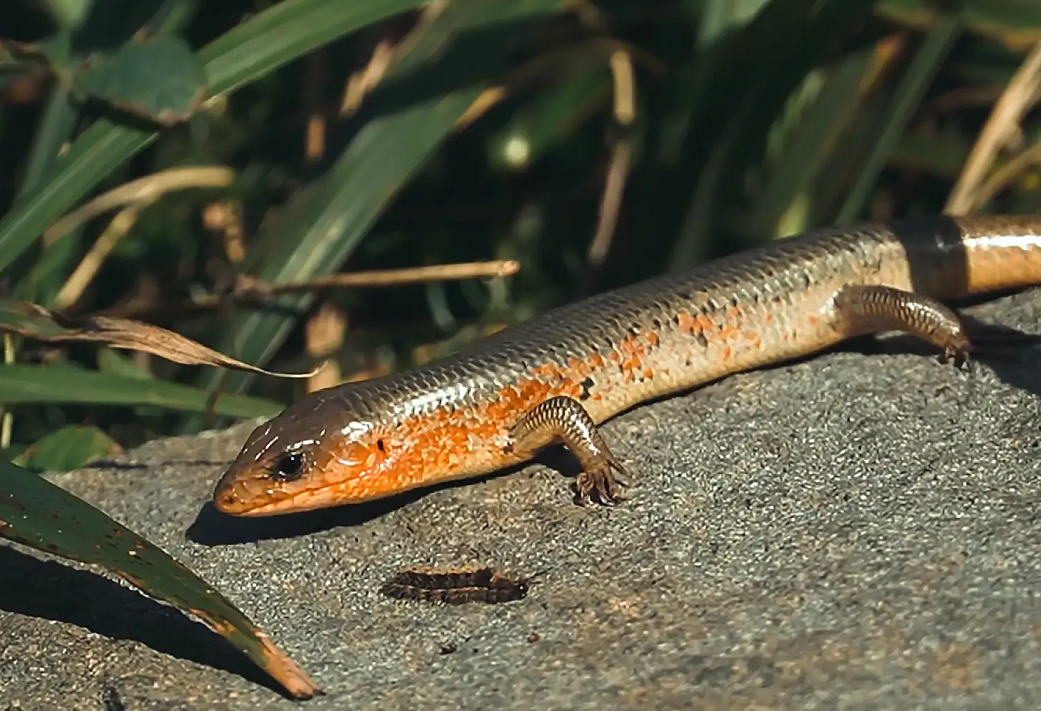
{"points": [[594, 142]]}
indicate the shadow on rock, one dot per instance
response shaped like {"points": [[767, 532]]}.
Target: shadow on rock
{"points": [[1011, 353], [50, 590], [213, 528]]}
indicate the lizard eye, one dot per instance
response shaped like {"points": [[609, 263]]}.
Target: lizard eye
{"points": [[288, 467]]}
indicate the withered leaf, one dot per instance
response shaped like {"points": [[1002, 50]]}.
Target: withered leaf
{"points": [[36, 322]]}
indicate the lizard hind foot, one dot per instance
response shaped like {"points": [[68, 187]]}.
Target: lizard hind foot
{"points": [[607, 480]]}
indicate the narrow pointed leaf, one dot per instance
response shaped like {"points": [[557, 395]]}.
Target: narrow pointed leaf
{"points": [[908, 96], [36, 513], [20, 384]]}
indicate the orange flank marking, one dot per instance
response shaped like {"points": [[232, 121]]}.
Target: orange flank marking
{"points": [[728, 332], [686, 323], [581, 369], [634, 349], [546, 370], [753, 338], [457, 442]]}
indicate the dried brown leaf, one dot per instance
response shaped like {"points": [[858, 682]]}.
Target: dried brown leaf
{"points": [[52, 327]]}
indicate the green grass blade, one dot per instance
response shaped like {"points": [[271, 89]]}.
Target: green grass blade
{"points": [[726, 33], [935, 154], [905, 101], [49, 272], [93, 156], [36, 513], [800, 31], [257, 47], [60, 113], [1016, 23], [728, 68], [172, 17], [24, 384], [285, 31], [328, 222], [721, 16], [809, 143], [58, 119]]}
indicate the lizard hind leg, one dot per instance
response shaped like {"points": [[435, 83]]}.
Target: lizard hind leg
{"points": [[564, 419], [863, 309]]}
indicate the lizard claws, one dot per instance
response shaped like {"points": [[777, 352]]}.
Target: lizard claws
{"points": [[607, 480]]}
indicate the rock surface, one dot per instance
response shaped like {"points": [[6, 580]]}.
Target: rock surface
{"points": [[859, 530]]}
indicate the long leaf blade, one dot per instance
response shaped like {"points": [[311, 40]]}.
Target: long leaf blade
{"points": [[24, 384], [36, 513], [908, 95]]}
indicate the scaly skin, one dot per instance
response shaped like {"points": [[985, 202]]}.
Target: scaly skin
{"points": [[455, 418]]}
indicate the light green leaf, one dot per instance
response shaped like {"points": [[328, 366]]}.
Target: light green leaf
{"points": [[68, 448], [21, 384], [156, 78]]}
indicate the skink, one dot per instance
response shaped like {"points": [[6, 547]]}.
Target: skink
{"points": [[558, 376]]}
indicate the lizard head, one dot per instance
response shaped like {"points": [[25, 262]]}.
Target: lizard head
{"points": [[324, 450]]}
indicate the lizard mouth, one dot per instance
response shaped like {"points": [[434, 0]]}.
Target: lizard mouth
{"points": [[239, 498]]}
